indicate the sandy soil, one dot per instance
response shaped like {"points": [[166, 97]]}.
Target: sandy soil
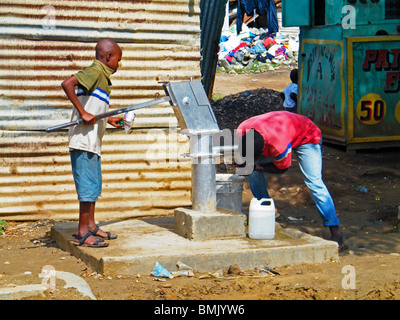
{"points": [[369, 223]]}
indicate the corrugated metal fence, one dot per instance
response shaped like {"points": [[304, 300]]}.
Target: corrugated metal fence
{"points": [[41, 44]]}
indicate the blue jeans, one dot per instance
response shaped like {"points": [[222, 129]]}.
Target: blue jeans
{"points": [[310, 162]]}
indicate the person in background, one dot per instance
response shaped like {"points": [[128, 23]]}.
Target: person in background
{"points": [[289, 94]]}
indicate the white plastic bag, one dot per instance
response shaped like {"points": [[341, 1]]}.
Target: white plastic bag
{"points": [[129, 118]]}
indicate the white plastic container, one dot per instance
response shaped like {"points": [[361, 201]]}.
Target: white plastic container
{"points": [[262, 219]]}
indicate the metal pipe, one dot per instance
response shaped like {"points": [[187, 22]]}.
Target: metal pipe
{"points": [[112, 113], [223, 149], [203, 173]]}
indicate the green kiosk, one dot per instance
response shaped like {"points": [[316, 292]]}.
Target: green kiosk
{"points": [[349, 67]]}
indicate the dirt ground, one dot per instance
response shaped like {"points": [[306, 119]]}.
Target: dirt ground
{"points": [[368, 220]]}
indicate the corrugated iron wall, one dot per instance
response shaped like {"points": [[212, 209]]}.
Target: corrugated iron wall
{"points": [[41, 44]]}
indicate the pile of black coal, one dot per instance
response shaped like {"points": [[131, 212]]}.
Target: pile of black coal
{"points": [[231, 110]]}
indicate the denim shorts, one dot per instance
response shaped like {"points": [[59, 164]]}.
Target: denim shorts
{"points": [[86, 169]]}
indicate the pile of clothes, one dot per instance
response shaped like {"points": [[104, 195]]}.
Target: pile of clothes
{"points": [[253, 45]]}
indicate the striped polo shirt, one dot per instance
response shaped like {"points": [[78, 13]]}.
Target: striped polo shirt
{"points": [[94, 94]]}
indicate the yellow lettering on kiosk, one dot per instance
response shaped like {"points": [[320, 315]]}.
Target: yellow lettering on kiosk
{"points": [[397, 112]]}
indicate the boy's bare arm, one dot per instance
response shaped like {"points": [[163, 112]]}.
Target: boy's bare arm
{"points": [[68, 86], [115, 121]]}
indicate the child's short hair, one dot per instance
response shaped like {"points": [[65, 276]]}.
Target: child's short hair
{"points": [[294, 75]]}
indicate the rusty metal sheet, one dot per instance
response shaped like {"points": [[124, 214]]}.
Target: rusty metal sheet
{"points": [[159, 39], [31, 97], [143, 173], [44, 42], [160, 21]]}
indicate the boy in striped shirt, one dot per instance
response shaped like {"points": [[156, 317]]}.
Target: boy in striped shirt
{"points": [[90, 99]]}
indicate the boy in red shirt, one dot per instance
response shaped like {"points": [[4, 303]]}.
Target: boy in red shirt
{"points": [[276, 135]]}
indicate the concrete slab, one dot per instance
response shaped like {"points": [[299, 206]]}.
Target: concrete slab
{"points": [[141, 243], [200, 225], [21, 292]]}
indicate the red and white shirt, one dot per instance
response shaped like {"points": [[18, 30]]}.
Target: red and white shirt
{"points": [[282, 131]]}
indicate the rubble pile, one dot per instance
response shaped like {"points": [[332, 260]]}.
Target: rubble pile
{"points": [[255, 49], [231, 110]]}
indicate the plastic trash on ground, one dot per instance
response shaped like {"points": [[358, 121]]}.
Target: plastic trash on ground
{"points": [[183, 270], [160, 271], [362, 189], [266, 271], [257, 46]]}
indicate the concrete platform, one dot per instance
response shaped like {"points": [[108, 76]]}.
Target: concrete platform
{"points": [[143, 242]]}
